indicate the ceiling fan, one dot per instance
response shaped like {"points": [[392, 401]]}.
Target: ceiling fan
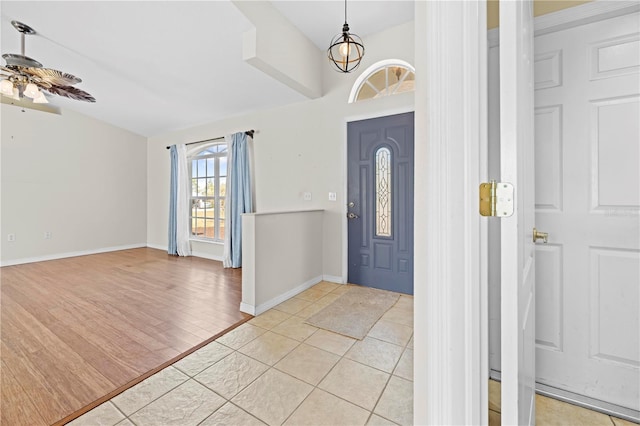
{"points": [[24, 77]]}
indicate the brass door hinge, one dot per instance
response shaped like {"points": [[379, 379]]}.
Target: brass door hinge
{"points": [[496, 199]]}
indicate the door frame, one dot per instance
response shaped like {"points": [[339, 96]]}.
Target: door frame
{"points": [[345, 170], [452, 391], [450, 291], [554, 22]]}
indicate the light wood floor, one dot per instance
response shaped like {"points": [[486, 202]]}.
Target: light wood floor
{"points": [[77, 331]]}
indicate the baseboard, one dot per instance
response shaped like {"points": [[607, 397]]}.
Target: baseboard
{"points": [[201, 254], [333, 279], [257, 310], [157, 247], [69, 254], [206, 255], [247, 309]]}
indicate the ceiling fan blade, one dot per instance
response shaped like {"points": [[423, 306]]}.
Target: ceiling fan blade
{"points": [[6, 70], [71, 92], [56, 77]]}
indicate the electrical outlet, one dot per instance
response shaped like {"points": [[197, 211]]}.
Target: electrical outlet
{"points": [[306, 196], [47, 235], [11, 237], [332, 196]]}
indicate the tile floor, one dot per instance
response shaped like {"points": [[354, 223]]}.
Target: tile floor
{"points": [[551, 412], [275, 370]]}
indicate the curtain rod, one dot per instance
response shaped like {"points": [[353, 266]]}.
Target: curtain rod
{"points": [[248, 133]]}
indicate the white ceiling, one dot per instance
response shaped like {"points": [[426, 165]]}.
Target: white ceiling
{"points": [[157, 66]]}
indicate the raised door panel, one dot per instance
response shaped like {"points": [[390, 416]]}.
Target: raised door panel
{"points": [[548, 158], [615, 150]]}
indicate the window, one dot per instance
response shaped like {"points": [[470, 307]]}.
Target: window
{"points": [[383, 192], [384, 78], [208, 171]]}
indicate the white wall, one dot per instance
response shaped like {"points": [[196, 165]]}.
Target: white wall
{"points": [[282, 256], [78, 178], [298, 148]]}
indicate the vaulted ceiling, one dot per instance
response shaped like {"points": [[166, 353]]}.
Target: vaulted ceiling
{"points": [[157, 66]]}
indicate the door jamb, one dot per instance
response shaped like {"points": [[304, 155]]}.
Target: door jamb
{"points": [[450, 290]]}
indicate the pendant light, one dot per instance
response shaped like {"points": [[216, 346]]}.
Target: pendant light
{"points": [[346, 49]]}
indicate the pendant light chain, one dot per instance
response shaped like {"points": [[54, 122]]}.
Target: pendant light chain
{"points": [[345, 11]]}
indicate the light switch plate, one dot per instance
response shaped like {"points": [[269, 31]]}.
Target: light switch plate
{"points": [[306, 196], [332, 196]]}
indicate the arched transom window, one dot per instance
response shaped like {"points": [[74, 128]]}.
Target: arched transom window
{"points": [[383, 78]]}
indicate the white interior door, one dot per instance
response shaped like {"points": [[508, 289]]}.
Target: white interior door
{"points": [[588, 199], [517, 246]]}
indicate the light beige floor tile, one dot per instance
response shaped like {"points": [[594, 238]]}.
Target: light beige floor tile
{"points": [[332, 342], [149, 390], [410, 344], [355, 382], [376, 420], [103, 415], [391, 332], [202, 358], [396, 402], [621, 422], [375, 353], [308, 363], [188, 404], [269, 319], [125, 422], [494, 418], [399, 316], [295, 328], [494, 395], [551, 412], [273, 396], [326, 286], [405, 302], [404, 368], [230, 415], [240, 336], [328, 299], [312, 294], [293, 305], [323, 409], [269, 348], [310, 310], [230, 375], [341, 289]]}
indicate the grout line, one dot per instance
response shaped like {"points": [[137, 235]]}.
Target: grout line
{"points": [[269, 367], [119, 410]]}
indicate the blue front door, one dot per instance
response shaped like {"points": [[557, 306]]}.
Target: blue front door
{"points": [[380, 202]]}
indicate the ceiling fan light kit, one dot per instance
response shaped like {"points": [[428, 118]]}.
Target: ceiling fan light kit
{"points": [[25, 77], [346, 49]]}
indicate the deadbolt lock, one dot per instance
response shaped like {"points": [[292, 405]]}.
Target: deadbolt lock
{"points": [[351, 204]]}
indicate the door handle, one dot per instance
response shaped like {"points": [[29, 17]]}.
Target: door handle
{"points": [[537, 235], [352, 215]]}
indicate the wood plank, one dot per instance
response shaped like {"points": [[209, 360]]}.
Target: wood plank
{"points": [[78, 330], [24, 413]]}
